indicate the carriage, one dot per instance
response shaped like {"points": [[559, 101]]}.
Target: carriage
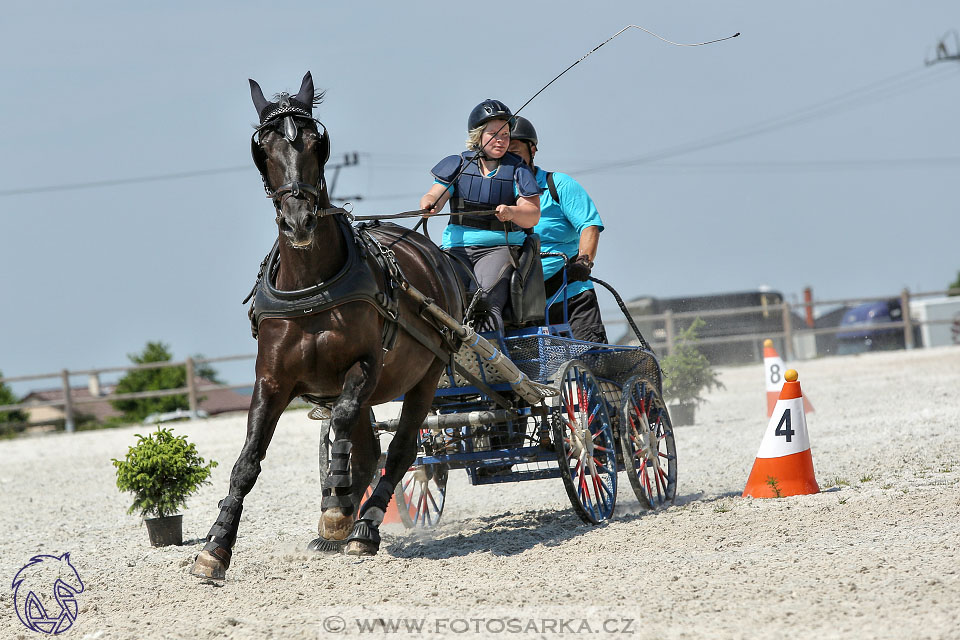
{"points": [[601, 412]]}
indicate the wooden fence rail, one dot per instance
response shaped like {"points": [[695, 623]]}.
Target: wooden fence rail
{"points": [[669, 318]]}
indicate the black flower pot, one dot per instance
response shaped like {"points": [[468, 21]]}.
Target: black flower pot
{"points": [[165, 531], [682, 415]]}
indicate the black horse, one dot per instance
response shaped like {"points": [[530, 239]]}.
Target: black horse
{"points": [[334, 325]]}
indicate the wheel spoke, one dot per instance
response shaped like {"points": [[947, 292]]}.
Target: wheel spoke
{"points": [[656, 477], [597, 492], [432, 501], [646, 481]]}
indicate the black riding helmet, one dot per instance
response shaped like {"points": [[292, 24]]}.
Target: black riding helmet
{"points": [[488, 110], [523, 130]]}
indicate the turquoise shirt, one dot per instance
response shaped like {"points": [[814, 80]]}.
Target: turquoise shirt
{"points": [[562, 223], [455, 235]]}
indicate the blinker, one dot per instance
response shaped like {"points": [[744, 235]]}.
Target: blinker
{"points": [[289, 129]]}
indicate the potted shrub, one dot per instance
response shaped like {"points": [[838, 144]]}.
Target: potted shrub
{"points": [[161, 471], [687, 374]]}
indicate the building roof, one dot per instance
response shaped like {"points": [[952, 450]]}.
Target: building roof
{"points": [[214, 401]]}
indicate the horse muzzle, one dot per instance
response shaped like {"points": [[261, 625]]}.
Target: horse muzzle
{"points": [[298, 227]]}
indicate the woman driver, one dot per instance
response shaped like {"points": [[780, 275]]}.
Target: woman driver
{"points": [[484, 178]]}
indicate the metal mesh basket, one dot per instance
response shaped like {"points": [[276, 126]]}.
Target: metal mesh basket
{"points": [[539, 356]]}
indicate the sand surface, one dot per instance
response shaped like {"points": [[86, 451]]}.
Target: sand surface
{"points": [[874, 555]]}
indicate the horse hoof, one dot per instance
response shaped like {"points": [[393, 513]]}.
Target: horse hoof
{"points": [[357, 548], [335, 525], [364, 540], [326, 546], [209, 566]]}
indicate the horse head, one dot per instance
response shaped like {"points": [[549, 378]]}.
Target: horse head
{"points": [[289, 148]]}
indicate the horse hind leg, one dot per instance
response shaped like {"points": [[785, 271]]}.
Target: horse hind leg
{"points": [[364, 540], [337, 503], [366, 455], [364, 458]]}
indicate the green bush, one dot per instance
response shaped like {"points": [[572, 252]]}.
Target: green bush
{"points": [[955, 285], [135, 410], [8, 418], [162, 471], [687, 371]]}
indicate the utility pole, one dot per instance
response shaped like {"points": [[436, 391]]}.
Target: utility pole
{"points": [[349, 160], [943, 52]]}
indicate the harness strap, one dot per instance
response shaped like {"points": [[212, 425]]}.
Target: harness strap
{"points": [[443, 356], [553, 188]]}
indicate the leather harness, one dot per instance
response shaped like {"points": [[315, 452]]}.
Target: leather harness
{"points": [[355, 282]]}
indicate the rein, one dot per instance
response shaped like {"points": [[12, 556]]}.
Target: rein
{"points": [[416, 213]]}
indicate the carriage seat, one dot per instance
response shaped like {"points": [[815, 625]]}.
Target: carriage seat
{"points": [[527, 291], [528, 295]]}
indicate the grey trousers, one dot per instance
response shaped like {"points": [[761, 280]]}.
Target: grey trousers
{"points": [[492, 267]]}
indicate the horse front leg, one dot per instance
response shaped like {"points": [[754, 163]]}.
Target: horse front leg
{"points": [[364, 540], [337, 503], [266, 405]]}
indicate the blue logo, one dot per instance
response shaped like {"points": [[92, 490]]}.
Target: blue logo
{"points": [[45, 594]]}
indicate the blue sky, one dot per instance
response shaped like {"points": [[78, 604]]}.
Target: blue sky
{"points": [[853, 193]]}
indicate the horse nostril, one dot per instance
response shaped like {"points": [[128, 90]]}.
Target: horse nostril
{"points": [[310, 223], [285, 226]]}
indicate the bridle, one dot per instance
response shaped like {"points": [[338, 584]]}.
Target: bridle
{"points": [[287, 115]]}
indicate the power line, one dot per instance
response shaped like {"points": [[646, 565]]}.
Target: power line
{"points": [[881, 89], [943, 52], [805, 165], [122, 181], [350, 159], [873, 92]]}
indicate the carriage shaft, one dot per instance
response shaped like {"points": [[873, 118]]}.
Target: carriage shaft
{"points": [[454, 420]]}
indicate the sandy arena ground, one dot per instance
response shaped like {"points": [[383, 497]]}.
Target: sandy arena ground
{"points": [[875, 555]]}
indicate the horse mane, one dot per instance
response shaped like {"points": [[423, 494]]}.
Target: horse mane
{"points": [[318, 96]]}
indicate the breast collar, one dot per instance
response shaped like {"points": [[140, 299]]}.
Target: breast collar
{"points": [[355, 282]]}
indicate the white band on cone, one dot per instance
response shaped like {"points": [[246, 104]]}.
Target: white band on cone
{"points": [[774, 371], [790, 423]]}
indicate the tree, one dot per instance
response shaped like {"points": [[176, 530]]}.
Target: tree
{"points": [[688, 372], [956, 285], [7, 397], [206, 371], [136, 410], [161, 471]]}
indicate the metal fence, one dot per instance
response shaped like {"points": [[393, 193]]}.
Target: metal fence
{"points": [[788, 332], [193, 388]]}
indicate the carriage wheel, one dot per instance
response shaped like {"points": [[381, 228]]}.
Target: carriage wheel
{"points": [[649, 450], [583, 438], [422, 491]]}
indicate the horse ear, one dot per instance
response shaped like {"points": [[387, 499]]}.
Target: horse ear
{"points": [[305, 95], [259, 102]]}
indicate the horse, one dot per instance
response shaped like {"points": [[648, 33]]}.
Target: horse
{"points": [[357, 344]]}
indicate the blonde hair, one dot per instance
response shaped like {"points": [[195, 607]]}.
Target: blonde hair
{"points": [[473, 136]]}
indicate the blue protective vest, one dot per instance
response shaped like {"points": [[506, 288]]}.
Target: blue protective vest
{"points": [[474, 192]]}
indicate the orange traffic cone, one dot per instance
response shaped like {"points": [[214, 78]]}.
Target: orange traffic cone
{"points": [[784, 466], [773, 370], [391, 515]]}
